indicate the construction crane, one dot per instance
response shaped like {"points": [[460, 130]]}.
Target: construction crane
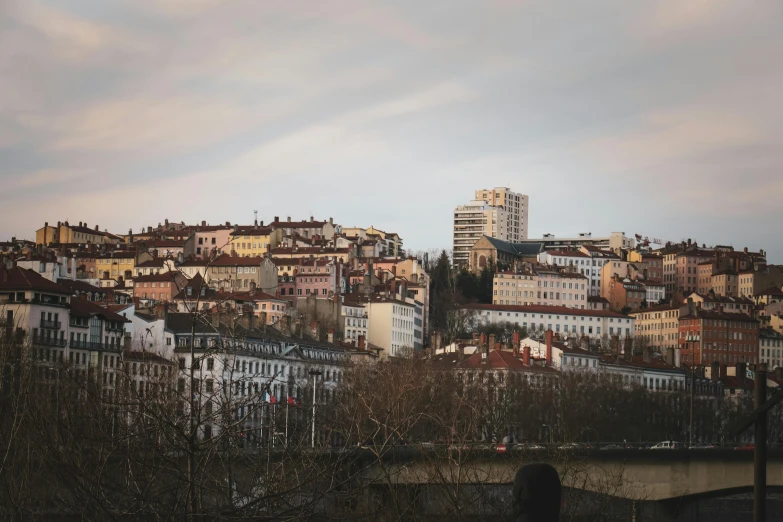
{"points": [[646, 241]]}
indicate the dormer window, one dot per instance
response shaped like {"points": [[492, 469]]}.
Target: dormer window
{"points": [[189, 291]]}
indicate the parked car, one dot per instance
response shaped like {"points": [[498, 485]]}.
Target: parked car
{"points": [[703, 445], [573, 446], [528, 447], [745, 447], [616, 447], [667, 444]]}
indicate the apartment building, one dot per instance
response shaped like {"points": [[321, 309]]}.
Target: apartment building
{"points": [[658, 326], [515, 288], [515, 205], [64, 232], [471, 223], [706, 336], [770, 348], [752, 282], [622, 292], [559, 319], [254, 240], [725, 283]]}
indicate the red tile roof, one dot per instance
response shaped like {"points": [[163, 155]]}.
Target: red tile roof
{"points": [[23, 279], [88, 309]]}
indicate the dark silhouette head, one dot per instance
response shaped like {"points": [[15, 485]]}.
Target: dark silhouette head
{"points": [[537, 494]]}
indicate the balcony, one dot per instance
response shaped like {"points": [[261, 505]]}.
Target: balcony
{"points": [[50, 325], [99, 347], [49, 341]]}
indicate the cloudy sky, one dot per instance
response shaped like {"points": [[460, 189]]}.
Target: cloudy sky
{"points": [[660, 118]]}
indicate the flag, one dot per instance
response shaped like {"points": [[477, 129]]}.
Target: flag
{"points": [[291, 400], [272, 400]]}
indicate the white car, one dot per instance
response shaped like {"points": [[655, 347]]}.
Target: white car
{"points": [[667, 444]]}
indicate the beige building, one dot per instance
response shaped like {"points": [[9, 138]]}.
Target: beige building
{"points": [[725, 283], [471, 223], [547, 287], [515, 205], [512, 288], [64, 232], [612, 268], [751, 282], [658, 326]]}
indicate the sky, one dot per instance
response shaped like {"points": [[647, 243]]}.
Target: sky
{"points": [[658, 118]]}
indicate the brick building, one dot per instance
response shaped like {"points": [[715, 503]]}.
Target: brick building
{"points": [[706, 336]]}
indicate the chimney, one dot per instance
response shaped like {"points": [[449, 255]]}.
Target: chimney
{"points": [[646, 354], [515, 339], [203, 223], [277, 219], [289, 219], [483, 340], [96, 228], [740, 372], [549, 347], [497, 347], [262, 320], [715, 371], [724, 371], [526, 356], [677, 358], [314, 330], [330, 335], [491, 341], [628, 348], [361, 342]]}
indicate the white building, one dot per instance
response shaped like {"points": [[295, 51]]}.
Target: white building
{"points": [[471, 222], [565, 321], [586, 261], [391, 325], [655, 292], [770, 348], [354, 320], [515, 205], [251, 369]]}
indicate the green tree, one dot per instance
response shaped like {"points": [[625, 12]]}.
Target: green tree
{"points": [[441, 292]]}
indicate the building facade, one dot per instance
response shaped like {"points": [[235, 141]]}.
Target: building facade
{"points": [[471, 222], [515, 205]]}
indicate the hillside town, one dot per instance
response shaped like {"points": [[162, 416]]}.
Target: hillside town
{"points": [[293, 297]]}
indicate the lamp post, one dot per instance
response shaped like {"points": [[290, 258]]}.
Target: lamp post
{"points": [[314, 374], [550, 432]]}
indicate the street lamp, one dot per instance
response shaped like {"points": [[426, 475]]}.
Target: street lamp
{"points": [[550, 432], [597, 436], [315, 374]]}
